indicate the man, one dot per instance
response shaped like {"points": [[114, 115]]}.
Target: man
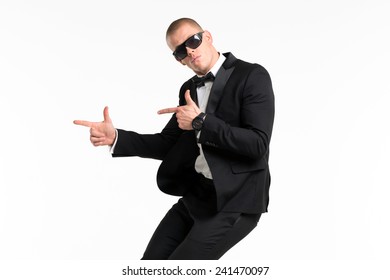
{"points": [[214, 149]]}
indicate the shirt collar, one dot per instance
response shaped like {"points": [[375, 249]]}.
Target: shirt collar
{"points": [[218, 64]]}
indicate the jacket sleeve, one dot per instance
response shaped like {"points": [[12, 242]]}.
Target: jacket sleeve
{"points": [[154, 146]]}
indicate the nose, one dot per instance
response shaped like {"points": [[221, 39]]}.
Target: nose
{"points": [[190, 51]]}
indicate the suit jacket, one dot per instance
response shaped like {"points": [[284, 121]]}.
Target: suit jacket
{"points": [[235, 139]]}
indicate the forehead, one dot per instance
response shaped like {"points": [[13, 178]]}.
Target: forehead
{"points": [[181, 34]]}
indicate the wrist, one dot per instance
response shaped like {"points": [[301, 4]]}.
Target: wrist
{"points": [[113, 137], [197, 122]]}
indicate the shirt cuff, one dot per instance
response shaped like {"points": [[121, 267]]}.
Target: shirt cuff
{"points": [[112, 148]]}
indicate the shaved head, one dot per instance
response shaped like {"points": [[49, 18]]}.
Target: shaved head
{"points": [[179, 22]]}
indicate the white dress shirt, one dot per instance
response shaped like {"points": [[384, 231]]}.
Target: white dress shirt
{"points": [[201, 165]]}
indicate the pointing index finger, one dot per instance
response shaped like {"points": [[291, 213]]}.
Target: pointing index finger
{"points": [[168, 110], [83, 123]]}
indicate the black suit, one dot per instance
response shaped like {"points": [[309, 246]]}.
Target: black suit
{"points": [[235, 139]]}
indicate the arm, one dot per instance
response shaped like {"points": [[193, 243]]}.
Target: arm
{"points": [[154, 146], [129, 143], [250, 135]]}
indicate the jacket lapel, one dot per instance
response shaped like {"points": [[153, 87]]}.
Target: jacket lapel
{"points": [[219, 83]]}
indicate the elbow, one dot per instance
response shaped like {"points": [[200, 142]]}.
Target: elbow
{"points": [[262, 146]]}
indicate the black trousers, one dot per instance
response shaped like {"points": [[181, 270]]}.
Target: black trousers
{"points": [[185, 235]]}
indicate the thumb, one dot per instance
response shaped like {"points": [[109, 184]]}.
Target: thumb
{"points": [[106, 115], [187, 96]]}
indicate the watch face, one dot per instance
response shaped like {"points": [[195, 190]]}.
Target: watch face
{"points": [[197, 123]]}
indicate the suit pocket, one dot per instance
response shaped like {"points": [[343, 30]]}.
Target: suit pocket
{"points": [[245, 166]]}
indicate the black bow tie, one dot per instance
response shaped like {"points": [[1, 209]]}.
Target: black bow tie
{"points": [[199, 81]]}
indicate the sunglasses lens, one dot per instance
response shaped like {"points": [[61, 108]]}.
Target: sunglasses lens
{"points": [[180, 53], [193, 42]]}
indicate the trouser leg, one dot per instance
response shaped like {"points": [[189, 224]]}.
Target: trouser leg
{"points": [[171, 231], [211, 238]]}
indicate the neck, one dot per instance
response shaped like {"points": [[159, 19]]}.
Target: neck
{"points": [[214, 60]]}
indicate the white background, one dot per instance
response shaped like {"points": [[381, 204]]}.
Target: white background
{"points": [[63, 199]]}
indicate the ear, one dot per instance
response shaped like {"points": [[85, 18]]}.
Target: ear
{"points": [[207, 37]]}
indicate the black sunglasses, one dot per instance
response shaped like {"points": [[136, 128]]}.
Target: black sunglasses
{"points": [[193, 42]]}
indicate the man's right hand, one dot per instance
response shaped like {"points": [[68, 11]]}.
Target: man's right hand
{"points": [[101, 133]]}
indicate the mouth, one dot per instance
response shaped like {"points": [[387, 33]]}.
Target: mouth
{"points": [[195, 58]]}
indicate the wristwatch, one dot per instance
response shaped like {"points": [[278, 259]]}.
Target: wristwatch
{"points": [[197, 122]]}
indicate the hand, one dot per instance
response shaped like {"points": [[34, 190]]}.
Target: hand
{"points": [[101, 133], [184, 114]]}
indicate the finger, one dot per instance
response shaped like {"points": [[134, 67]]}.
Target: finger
{"points": [[95, 140], [106, 115], [83, 123], [188, 98], [168, 110], [97, 143], [96, 133]]}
